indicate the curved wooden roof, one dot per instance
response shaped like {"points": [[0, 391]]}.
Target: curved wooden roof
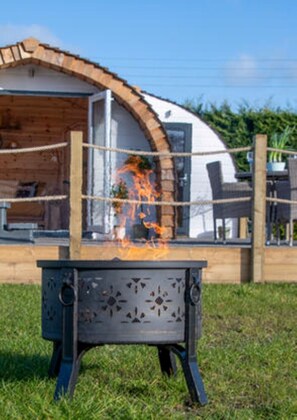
{"points": [[31, 50]]}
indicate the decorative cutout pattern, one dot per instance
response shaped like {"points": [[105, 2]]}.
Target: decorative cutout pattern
{"points": [[124, 305], [112, 301], [131, 300], [49, 295], [50, 313], [51, 283], [159, 300]]}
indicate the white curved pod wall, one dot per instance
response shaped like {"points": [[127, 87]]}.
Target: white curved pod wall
{"points": [[204, 139]]}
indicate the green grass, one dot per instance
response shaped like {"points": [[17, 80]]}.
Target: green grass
{"points": [[247, 356]]}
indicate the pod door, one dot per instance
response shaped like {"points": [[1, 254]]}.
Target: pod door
{"points": [[180, 137], [99, 162]]}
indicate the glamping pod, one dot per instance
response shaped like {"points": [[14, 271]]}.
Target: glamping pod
{"points": [[45, 93]]}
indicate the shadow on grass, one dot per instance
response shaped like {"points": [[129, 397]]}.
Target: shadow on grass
{"points": [[22, 367]]}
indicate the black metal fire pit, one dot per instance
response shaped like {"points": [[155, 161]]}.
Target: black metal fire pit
{"points": [[91, 303]]}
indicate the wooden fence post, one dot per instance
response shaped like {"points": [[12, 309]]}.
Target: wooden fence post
{"points": [[76, 174], [259, 207]]}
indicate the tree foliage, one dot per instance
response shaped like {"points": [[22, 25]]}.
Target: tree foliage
{"points": [[237, 129]]}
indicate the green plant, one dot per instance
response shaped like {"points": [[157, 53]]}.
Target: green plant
{"points": [[279, 141], [237, 126], [119, 190], [139, 163]]}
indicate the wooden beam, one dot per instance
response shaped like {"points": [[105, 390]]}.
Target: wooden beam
{"points": [[243, 225], [76, 174], [259, 208]]}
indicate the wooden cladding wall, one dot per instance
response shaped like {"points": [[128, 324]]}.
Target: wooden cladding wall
{"points": [[40, 121], [29, 121]]}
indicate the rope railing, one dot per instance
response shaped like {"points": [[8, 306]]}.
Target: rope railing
{"points": [[284, 152], [178, 203], [280, 200], [166, 203], [141, 153], [166, 153], [33, 149], [149, 203], [34, 199]]}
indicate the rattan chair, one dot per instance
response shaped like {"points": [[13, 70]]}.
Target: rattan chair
{"points": [[287, 190], [223, 190]]}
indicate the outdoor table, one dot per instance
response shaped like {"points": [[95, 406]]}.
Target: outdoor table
{"points": [[270, 175]]}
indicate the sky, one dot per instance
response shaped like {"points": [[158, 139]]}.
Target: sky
{"points": [[206, 51]]}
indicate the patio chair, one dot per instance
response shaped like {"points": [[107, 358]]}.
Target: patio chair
{"points": [[287, 213], [223, 190]]}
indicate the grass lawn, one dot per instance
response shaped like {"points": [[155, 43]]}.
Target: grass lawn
{"points": [[247, 357]]}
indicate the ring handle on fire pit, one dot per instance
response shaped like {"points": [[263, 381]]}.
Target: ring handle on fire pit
{"points": [[195, 290], [64, 293]]}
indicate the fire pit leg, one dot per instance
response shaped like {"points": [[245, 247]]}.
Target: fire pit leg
{"points": [[167, 361], [55, 360], [187, 355], [192, 374], [70, 362]]}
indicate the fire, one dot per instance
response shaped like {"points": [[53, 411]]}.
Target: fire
{"points": [[138, 185]]}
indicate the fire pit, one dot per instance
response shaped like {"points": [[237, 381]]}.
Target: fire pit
{"points": [[91, 303]]}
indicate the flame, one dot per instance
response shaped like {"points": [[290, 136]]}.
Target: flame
{"points": [[138, 172]]}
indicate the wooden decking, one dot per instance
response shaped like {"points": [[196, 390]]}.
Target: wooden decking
{"points": [[230, 263]]}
